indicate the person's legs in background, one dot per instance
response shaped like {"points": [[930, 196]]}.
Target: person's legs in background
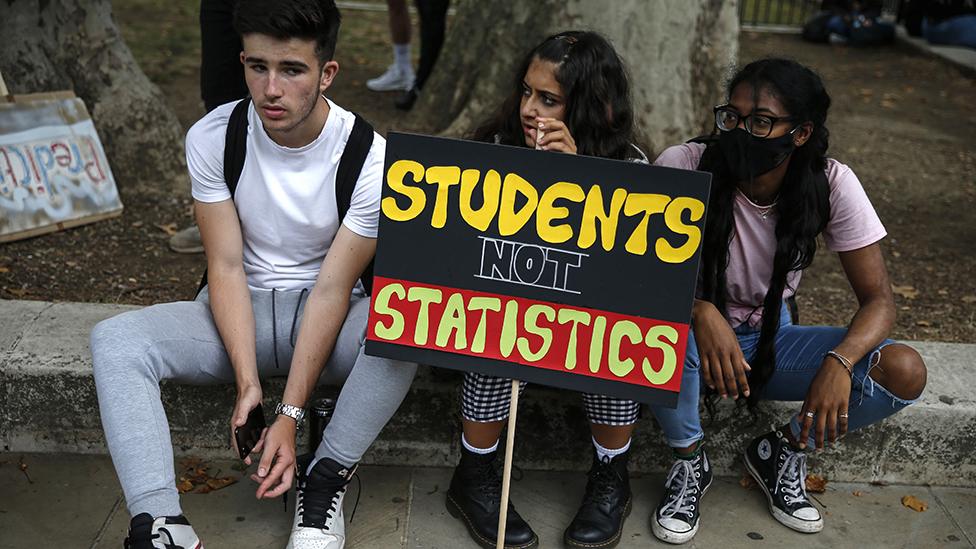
{"points": [[433, 20], [399, 75], [955, 31], [221, 81]]}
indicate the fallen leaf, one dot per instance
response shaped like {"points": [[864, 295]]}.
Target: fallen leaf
{"points": [[184, 486], [18, 292], [923, 323], [888, 104], [914, 503], [4, 270], [747, 482], [218, 483], [137, 224], [908, 292], [23, 469], [857, 493], [896, 254], [816, 484], [969, 299], [168, 228]]}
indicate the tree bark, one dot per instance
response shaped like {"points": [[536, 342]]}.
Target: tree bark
{"points": [[51, 45], [678, 52]]}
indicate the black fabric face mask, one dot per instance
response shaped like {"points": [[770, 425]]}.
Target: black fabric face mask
{"points": [[748, 157]]}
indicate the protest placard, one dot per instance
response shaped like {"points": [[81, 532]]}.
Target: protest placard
{"points": [[53, 170], [564, 270]]}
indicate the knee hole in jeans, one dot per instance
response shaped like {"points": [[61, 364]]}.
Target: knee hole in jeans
{"points": [[901, 371]]}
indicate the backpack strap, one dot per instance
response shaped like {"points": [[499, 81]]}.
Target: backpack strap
{"points": [[347, 174], [235, 145]]}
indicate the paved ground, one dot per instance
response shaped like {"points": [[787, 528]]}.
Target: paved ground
{"points": [[74, 502]]}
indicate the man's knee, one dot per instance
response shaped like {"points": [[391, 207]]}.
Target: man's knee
{"points": [[901, 371]]}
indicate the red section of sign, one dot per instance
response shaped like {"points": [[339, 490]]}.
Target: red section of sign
{"points": [[517, 331]]}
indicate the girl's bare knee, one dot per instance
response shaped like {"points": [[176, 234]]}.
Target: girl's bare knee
{"points": [[901, 371]]}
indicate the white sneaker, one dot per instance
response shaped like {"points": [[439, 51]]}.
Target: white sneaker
{"points": [[394, 79], [145, 532], [319, 520]]}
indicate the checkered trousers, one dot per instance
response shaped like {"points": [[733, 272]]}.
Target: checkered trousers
{"points": [[486, 399]]}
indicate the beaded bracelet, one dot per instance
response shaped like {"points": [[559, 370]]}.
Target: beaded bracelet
{"points": [[843, 360]]}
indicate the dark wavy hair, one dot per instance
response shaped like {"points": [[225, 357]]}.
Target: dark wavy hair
{"points": [[316, 20], [802, 207], [596, 86]]}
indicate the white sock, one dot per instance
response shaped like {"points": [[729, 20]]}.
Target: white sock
{"points": [[602, 452], [401, 56], [467, 446]]}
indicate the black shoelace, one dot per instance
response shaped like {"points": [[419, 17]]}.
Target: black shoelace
{"points": [[602, 483], [487, 479], [318, 506]]}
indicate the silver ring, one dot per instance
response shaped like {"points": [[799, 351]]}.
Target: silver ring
{"points": [[811, 414], [843, 416]]}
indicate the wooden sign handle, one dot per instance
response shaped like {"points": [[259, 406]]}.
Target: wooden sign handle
{"points": [[507, 471]]}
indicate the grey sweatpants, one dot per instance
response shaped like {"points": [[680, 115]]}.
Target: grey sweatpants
{"points": [[134, 351]]}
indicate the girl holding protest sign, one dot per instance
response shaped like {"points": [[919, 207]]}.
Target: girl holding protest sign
{"points": [[773, 192], [570, 95]]}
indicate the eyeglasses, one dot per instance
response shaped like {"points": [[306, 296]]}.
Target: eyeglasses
{"points": [[759, 125]]}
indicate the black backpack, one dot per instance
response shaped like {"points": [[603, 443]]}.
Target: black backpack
{"points": [[350, 165]]}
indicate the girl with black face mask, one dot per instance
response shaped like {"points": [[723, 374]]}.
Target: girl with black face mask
{"points": [[774, 191]]}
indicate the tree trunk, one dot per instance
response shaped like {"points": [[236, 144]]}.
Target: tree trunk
{"points": [[678, 53], [50, 45]]}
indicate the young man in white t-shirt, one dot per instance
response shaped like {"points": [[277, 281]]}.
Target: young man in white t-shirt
{"points": [[282, 298]]}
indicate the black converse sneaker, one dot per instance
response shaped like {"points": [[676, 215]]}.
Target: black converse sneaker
{"points": [[781, 472], [319, 520], [606, 503], [474, 498], [146, 532], [676, 517]]}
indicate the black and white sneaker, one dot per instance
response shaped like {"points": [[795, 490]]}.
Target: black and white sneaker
{"points": [[676, 518], [319, 520], [146, 532], [781, 471]]}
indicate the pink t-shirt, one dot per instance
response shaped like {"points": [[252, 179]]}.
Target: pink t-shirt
{"points": [[853, 224]]}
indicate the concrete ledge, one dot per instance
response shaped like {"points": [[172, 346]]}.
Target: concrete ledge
{"points": [[48, 404]]}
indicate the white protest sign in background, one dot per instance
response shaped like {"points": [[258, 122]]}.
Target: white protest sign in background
{"points": [[53, 169]]}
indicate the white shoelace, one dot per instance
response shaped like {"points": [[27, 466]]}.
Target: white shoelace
{"points": [[794, 471], [684, 471]]}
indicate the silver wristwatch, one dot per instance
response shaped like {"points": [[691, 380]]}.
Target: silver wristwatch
{"points": [[294, 412]]}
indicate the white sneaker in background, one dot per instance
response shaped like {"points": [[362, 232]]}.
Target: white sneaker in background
{"points": [[395, 78]]}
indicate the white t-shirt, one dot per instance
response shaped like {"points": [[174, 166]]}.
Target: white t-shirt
{"points": [[285, 198]]}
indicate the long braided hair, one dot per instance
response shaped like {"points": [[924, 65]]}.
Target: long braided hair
{"points": [[802, 207]]}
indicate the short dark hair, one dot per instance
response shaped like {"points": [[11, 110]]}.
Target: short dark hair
{"points": [[316, 20]]}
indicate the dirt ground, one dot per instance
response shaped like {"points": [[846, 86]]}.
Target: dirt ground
{"points": [[905, 123]]}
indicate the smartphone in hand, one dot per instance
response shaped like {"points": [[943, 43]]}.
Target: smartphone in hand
{"points": [[249, 434]]}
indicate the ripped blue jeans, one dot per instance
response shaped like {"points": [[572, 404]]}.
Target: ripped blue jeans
{"points": [[800, 351]]}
